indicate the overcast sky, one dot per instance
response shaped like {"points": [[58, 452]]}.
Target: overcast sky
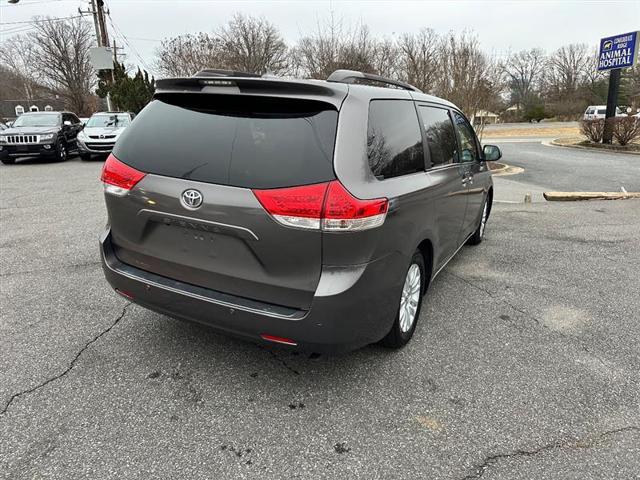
{"points": [[500, 25]]}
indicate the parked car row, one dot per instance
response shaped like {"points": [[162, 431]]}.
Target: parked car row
{"points": [[56, 135]]}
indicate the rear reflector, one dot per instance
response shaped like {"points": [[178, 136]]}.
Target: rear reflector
{"points": [[327, 206], [273, 338], [124, 294], [119, 178]]}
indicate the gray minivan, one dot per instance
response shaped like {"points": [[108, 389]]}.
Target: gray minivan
{"points": [[305, 213]]}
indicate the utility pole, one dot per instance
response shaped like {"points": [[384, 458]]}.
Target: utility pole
{"points": [[102, 36]]}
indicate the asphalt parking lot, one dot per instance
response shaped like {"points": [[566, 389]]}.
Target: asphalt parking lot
{"points": [[525, 363]]}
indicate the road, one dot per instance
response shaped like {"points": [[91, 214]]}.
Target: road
{"points": [[570, 169], [524, 365]]}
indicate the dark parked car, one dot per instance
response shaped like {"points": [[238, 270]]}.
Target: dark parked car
{"points": [[41, 134], [306, 213]]}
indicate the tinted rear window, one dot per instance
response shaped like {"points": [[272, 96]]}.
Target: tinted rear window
{"points": [[394, 141], [255, 142]]}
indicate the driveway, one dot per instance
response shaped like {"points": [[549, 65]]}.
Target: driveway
{"points": [[524, 364]]}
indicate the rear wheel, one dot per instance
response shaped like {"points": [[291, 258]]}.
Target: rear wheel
{"points": [[478, 235], [410, 303], [61, 152]]}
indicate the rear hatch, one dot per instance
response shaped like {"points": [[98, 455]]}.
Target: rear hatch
{"points": [[219, 149]]}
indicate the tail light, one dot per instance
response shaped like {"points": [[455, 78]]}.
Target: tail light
{"points": [[327, 206], [119, 178]]}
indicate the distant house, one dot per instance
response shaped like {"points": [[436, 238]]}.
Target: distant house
{"points": [[484, 117], [11, 109]]}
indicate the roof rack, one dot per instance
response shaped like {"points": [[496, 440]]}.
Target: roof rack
{"points": [[352, 76], [215, 72]]}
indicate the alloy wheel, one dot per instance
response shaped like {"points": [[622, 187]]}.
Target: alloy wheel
{"points": [[410, 298]]}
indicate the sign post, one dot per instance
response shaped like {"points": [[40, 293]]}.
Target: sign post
{"points": [[615, 53]]}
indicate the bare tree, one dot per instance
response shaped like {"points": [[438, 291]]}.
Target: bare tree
{"points": [[523, 72], [335, 46], [22, 78], [418, 58], [253, 45], [468, 77], [61, 55], [185, 54], [567, 67]]}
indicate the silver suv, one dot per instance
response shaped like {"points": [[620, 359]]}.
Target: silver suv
{"points": [[101, 132], [306, 213]]}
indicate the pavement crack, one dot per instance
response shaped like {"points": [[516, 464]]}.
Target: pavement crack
{"points": [[49, 269], [280, 360], [72, 364], [491, 460], [532, 317]]}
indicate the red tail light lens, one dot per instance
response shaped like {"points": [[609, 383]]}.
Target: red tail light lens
{"points": [[119, 178], [324, 205]]}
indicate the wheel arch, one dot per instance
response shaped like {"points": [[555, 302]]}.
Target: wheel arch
{"points": [[425, 247]]}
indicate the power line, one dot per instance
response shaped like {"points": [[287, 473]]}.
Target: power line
{"points": [[42, 20], [126, 41]]}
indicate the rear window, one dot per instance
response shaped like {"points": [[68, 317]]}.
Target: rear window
{"points": [[394, 141], [253, 142]]}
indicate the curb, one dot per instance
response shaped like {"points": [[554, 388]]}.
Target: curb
{"points": [[575, 196], [590, 149], [505, 170]]}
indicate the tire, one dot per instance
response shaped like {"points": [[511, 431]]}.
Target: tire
{"points": [[403, 327], [61, 152], [85, 156], [478, 235], [8, 161]]}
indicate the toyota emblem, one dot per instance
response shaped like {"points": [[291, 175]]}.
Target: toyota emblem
{"points": [[191, 199]]}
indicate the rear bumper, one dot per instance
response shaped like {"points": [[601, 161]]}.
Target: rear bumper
{"points": [[353, 307], [29, 150]]}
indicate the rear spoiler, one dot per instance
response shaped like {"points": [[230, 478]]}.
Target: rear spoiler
{"points": [[333, 93]]}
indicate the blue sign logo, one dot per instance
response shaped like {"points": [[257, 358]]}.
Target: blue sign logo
{"points": [[620, 51]]}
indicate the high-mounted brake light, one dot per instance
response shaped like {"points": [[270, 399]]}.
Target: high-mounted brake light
{"points": [[119, 178], [327, 206]]}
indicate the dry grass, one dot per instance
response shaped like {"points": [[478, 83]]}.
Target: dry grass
{"points": [[538, 131], [580, 141]]}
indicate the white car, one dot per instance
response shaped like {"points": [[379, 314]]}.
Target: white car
{"points": [[596, 112], [100, 133]]}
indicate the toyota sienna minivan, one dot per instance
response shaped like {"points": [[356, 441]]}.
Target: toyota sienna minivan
{"points": [[306, 213]]}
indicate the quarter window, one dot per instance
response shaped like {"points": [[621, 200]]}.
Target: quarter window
{"points": [[394, 141], [468, 144], [439, 133]]}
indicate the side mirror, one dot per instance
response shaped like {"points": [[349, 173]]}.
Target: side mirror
{"points": [[491, 153], [66, 123]]}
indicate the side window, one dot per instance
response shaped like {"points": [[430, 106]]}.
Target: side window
{"points": [[394, 141], [468, 144], [439, 133], [66, 118], [74, 119]]}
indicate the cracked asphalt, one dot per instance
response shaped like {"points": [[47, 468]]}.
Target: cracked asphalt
{"points": [[525, 363]]}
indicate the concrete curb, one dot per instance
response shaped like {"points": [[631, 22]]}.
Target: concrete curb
{"points": [[553, 143], [575, 196], [505, 170]]}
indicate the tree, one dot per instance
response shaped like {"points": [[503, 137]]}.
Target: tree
{"points": [[61, 56], [468, 77], [252, 44], [334, 46], [20, 79], [523, 72], [184, 55], [418, 58], [127, 93]]}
